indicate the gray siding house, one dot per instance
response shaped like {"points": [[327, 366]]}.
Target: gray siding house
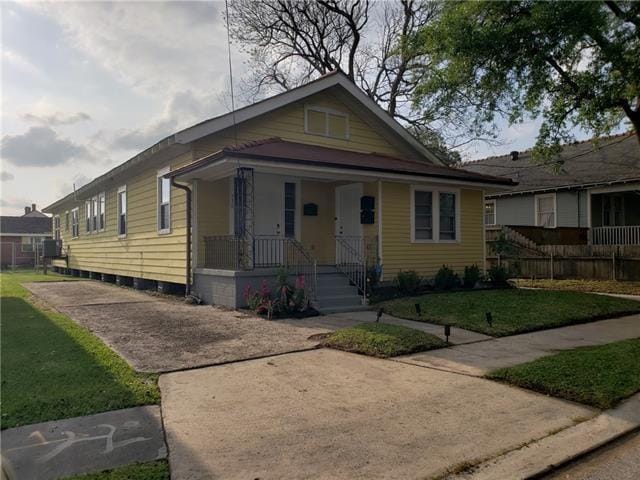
{"points": [[595, 187]]}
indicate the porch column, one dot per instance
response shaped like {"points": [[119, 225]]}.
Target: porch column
{"points": [[243, 212]]}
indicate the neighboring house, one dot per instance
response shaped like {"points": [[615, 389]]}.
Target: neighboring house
{"points": [[594, 196], [318, 179], [21, 237]]}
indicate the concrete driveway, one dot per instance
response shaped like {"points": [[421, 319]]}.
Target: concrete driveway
{"points": [[160, 334], [330, 414]]}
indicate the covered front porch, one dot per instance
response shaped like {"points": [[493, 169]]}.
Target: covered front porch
{"points": [[615, 215], [254, 221]]}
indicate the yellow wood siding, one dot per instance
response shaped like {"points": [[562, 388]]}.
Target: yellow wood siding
{"points": [[143, 252], [213, 212], [398, 253], [288, 124]]}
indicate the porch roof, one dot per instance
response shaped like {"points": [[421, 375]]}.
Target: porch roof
{"points": [[276, 150]]}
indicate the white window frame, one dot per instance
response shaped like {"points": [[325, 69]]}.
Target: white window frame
{"points": [[435, 215], [327, 112], [162, 173], [555, 209], [66, 221], [87, 216], [102, 212], [30, 243], [56, 227], [122, 189], [495, 213], [75, 228], [94, 214]]}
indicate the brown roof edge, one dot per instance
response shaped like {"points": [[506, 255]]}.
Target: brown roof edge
{"points": [[437, 170]]}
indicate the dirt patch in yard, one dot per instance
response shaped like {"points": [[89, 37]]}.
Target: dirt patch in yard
{"points": [[160, 335]]}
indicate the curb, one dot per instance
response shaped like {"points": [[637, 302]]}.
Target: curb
{"points": [[549, 453]]}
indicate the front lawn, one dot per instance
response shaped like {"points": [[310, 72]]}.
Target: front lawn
{"points": [[600, 286], [600, 376], [53, 368], [158, 470], [513, 310], [382, 340]]}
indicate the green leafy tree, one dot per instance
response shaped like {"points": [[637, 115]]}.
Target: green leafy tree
{"points": [[570, 63]]}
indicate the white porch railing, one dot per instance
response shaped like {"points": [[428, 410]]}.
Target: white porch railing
{"points": [[629, 235], [354, 256]]}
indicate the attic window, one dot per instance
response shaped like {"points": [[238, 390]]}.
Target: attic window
{"points": [[326, 122]]}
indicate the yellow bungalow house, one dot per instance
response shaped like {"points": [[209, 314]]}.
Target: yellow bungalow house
{"points": [[319, 180]]}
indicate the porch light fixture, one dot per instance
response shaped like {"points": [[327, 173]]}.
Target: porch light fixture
{"points": [[447, 332], [380, 312], [418, 309], [489, 319]]}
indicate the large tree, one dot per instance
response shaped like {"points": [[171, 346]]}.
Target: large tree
{"points": [[570, 63], [293, 41]]}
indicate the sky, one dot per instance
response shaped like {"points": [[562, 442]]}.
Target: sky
{"points": [[87, 85]]}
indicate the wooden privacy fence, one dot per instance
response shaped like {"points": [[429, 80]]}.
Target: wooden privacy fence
{"points": [[583, 268]]}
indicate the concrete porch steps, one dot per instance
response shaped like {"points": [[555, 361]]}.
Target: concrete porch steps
{"points": [[335, 293]]}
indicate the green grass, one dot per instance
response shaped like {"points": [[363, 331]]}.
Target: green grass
{"points": [[600, 376], [601, 286], [513, 310], [382, 340], [53, 368], [140, 471]]}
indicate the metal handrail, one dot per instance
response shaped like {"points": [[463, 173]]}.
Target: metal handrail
{"points": [[352, 263]]}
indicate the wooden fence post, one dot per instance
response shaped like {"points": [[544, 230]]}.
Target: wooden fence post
{"points": [[552, 266]]}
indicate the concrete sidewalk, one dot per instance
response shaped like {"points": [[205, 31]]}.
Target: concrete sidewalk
{"points": [[544, 455], [480, 358], [92, 443], [349, 319]]}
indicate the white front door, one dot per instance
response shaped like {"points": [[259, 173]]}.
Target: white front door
{"points": [[348, 223]]}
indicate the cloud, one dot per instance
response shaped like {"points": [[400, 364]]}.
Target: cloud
{"points": [[79, 180], [6, 176], [13, 205], [182, 110], [17, 61], [156, 48], [55, 119], [40, 147]]}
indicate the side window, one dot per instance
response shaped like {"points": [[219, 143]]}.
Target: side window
{"points": [[447, 216], [490, 212], [164, 202], [546, 210], [75, 225], [101, 212], [122, 211], [435, 215], [56, 227], [66, 221], [87, 216], [94, 214]]}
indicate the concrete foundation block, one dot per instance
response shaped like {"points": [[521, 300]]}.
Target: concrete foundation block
{"points": [[123, 281], [143, 284]]}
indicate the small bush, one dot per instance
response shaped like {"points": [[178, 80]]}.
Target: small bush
{"points": [[407, 282], [471, 276], [498, 276], [446, 279]]}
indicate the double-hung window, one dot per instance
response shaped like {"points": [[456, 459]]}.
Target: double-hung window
{"points": [[434, 215], [75, 225], [101, 212], [27, 244], [164, 202], [423, 215], [289, 209], [94, 214], [490, 212], [122, 211], [56, 227], [66, 221], [87, 215], [545, 210]]}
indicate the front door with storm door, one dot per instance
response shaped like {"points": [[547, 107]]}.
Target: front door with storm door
{"points": [[348, 226], [275, 217]]}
